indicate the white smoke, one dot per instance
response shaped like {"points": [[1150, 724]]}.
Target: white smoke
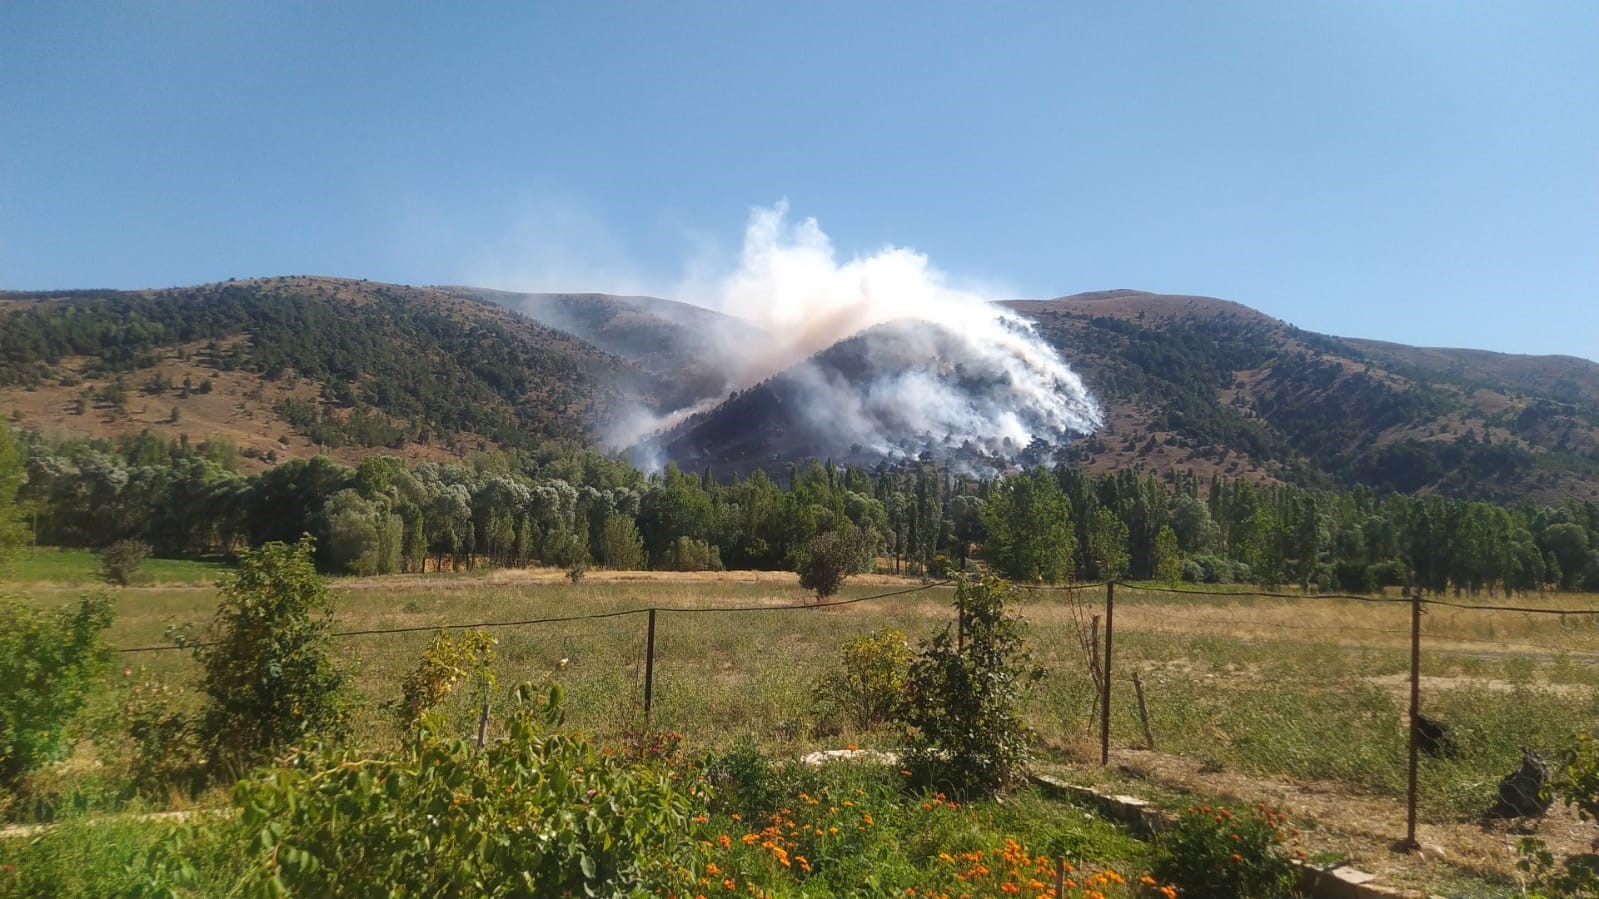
{"points": [[983, 376]]}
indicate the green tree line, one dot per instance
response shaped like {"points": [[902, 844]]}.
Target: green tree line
{"points": [[559, 504]]}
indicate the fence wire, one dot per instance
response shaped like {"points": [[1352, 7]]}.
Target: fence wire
{"points": [[1276, 688]]}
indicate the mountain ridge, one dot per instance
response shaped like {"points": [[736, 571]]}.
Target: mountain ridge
{"points": [[1188, 383]]}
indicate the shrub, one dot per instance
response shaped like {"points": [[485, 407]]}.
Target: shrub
{"points": [[964, 730], [869, 686], [449, 660], [688, 554], [831, 557], [742, 781], [1578, 785], [159, 746], [122, 562], [49, 665], [268, 678], [539, 812], [1212, 853]]}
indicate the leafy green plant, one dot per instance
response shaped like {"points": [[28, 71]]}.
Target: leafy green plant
{"points": [[742, 781], [965, 732], [539, 812], [122, 563], [269, 679], [49, 665], [1213, 853], [153, 738], [1578, 786], [831, 557], [868, 686], [449, 661]]}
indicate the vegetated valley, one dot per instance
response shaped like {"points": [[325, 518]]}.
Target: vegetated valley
{"points": [[399, 502]]}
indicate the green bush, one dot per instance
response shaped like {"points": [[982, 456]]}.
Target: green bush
{"points": [[831, 557], [269, 680], [965, 733], [539, 812], [870, 684], [49, 665], [1578, 784], [743, 782], [153, 739], [122, 563], [1212, 853], [449, 660]]}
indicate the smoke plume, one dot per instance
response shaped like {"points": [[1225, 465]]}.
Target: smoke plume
{"points": [[980, 376]]}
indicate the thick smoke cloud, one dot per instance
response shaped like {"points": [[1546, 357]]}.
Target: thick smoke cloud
{"points": [[980, 376]]}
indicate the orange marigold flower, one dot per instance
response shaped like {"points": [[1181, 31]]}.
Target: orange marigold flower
{"points": [[728, 884], [1237, 857]]}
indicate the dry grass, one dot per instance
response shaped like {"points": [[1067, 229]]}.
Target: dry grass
{"points": [[1304, 699]]}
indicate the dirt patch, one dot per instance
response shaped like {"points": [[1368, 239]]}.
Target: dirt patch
{"points": [[1398, 685], [1360, 827]]}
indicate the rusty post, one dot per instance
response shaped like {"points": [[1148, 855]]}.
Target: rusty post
{"points": [[1415, 715], [1104, 702], [649, 668]]}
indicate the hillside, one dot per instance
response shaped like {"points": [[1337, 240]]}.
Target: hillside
{"points": [[283, 366], [676, 341], [1206, 384], [1213, 387]]}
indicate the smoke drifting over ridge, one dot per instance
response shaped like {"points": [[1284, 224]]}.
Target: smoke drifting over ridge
{"points": [[882, 353]]}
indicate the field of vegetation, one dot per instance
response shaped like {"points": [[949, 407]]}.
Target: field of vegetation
{"points": [[1299, 702]]}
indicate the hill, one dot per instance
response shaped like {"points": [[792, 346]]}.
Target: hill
{"points": [[283, 366], [1206, 384], [676, 341], [1210, 386]]}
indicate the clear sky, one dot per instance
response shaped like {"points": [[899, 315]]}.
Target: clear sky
{"points": [[1426, 172]]}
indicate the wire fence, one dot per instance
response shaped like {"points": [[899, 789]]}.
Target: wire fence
{"points": [[1442, 711]]}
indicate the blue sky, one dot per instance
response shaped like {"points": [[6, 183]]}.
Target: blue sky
{"points": [[1426, 172]]}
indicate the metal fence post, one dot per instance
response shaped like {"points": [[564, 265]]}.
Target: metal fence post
{"points": [[649, 668], [1415, 715], [1104, 705]]}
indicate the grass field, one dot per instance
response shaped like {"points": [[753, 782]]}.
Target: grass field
{"points": [[1291, 697], [79, 567]]}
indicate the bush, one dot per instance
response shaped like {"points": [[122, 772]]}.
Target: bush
{"points": [[742, 782], [965, 733], [268, 677], [155, 741], [1210, 570], [870, 685], [449, 660], [688, 554], [49, 665], [1578, 785], [539, 812], [1212, 853], [122, 563], [831, 557]]}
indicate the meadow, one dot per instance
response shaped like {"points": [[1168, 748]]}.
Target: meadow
{"points": [[1296, 701]]}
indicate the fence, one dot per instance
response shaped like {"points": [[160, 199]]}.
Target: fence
{"points": [[1414, 710]]}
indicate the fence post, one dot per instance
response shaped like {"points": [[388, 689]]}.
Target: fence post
{"points": [[649, 668], [1415, 715], [1104, 705]]}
